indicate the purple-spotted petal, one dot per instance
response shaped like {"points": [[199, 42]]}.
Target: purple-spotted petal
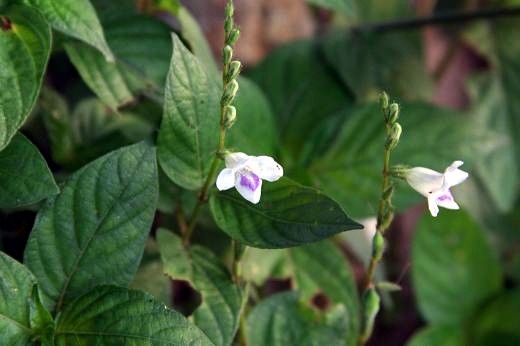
{"points": [[249, 185], [445, 199]]}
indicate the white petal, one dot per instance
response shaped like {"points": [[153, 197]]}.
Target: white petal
{"points": [[267, 168], [249, 185], [226, 179], [424, 180], [434, 209], [236, 160], [445, 199], [453, 175]]}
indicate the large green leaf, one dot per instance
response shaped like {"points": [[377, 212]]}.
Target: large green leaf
{"points": [[282, 320], [95, 230], [24, 52], [350, 171], [498, 324], [76, 18], [189, 131], [16, 284], [142, 48], [253, 109], [438, 335], [322, 270], [111, 315], [288, 215], [218, 316], [25, 177], [454, 268]]}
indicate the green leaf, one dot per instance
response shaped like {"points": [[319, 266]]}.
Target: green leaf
{"points": [[370, 62], [350, 171], [41, 320], [111, 315], [438, 335], [142, 49], [25, 177], [342, 6], [322, 270], [218, 316], [375, 10], [189, 130], [16, 285], [24, 52], [454, 268], [282, 320], [76, 18], [252, 109], [258, 265], [95, 230], [497, 323], [288, 215]]}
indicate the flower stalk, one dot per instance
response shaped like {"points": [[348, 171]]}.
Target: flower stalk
{"points": [[230, 72], [385, 215]]}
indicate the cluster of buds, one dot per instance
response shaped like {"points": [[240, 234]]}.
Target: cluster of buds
{"points": [[231, 69]]}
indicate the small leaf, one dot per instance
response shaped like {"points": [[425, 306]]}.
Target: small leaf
{"points": [[322, 271], [438, 335], [219, 314], [189, 130], [110, 315], [282, 320], [16, 285], [25, 177], [24, 52], [288, 215], [454, 268], [76, 18], [41, 320], [95, 230]]}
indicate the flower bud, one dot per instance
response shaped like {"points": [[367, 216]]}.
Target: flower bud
{"points": [[383, 100], [387, 219], [233, 70], [230, 9], [371, 303], [229, 93], [388, 286], [233, 36], [393, 113], [230, 115], [228, 24], [393, 137], [378, 246], [227, 55]]}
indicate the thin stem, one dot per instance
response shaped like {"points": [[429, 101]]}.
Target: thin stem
{"points": [[439, 19]]}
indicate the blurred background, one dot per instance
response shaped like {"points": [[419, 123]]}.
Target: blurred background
{"points": [[318, 66]]}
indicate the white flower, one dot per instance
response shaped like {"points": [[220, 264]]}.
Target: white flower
{"points": [[246, 173], [436, 186]]}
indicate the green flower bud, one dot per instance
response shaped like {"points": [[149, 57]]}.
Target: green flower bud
{"points": [[233, 70], [230, 93], [230, 115], [378, 246], [393, 137], [371, 302], [393, 113], [388, 286], [233, 36], [228, 25], [230, 9], [384, 100], [227, 54], [387, 219]]}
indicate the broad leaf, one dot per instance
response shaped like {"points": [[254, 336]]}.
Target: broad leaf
{"points": [[16, 285], [218, 316], [288, 215], [438, 335], [282, 320], [454, 268], [342, 6], [258, 265], [189, 131], [252, 109], [25, 177], [350, 171], [24, 52], [322, 271], [110, 315], [95, 230], [76, 18], [142, 49]]}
